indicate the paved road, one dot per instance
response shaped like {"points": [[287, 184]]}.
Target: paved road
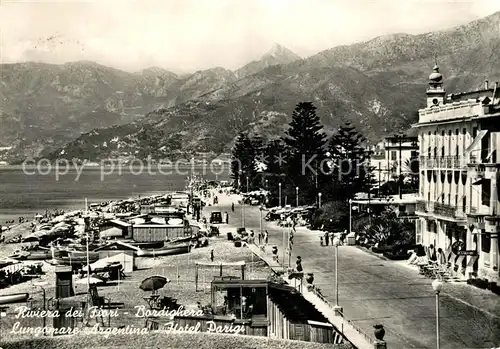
{"points": [[374, 291]]}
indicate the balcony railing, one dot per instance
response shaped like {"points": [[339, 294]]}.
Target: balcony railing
{"points": [[447, 162], [441, 209]]}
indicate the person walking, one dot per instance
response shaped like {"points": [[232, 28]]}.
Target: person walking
{"points": [[232, 206], [266, 237], [227, 217], [327, 240], [260, 238], [212, 255]]}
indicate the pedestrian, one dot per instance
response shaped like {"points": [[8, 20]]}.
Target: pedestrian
{"points": [[432, 253], [321, 241], [299, 264], [326, 239], [232, 206], [294, 225], [332, 236], [260, 238], [227, 217], [266, 237], [212, 255]]}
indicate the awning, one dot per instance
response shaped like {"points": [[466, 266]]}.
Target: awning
{"points": [[476, 141], [472, 260], [479, 181]]}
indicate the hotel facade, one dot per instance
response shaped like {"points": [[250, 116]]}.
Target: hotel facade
{"points": [[458, 205]]}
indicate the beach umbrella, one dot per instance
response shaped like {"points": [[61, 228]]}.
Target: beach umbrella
{"points": [[153, 283]]}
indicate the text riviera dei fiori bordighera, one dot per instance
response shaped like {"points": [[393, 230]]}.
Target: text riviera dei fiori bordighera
{"points": [[94, 312]]}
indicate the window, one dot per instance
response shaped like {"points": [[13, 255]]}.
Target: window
{"points": [[394, 155], [485, 242], [464, 131], [486, 192]]}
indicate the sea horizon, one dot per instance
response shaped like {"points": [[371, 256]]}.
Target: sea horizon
{"points": [[27, 194]]}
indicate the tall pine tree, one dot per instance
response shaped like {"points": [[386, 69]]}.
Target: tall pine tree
{"points": [[243, 161], [351, 169], [305, 147]]}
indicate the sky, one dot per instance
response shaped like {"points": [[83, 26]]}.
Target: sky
{"points": [[188, 35]]}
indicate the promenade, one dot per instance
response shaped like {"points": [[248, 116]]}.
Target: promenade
{"points": [[373, 291]]}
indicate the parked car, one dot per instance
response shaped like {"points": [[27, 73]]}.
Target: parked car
{"points": [[216, 217]]}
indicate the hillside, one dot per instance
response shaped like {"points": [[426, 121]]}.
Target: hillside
{"points": [[377, 85]]}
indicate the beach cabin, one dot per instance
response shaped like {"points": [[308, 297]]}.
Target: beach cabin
{"points": [[261, 308], [64, 282], [118, 251], [125, 227]]}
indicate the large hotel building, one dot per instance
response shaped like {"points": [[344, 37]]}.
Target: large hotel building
{"points": [[459, 206]]}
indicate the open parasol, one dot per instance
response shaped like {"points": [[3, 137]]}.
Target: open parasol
{"points": [[153, 283]]}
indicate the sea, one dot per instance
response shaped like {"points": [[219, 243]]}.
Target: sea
{"points": [[27, 191]]}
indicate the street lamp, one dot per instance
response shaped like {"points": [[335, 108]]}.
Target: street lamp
{"points": [[243, 212], [337, 308], [261, 208], [297, 196], [247, 184], [289, 224], [42, 286], [437, 285], [319, 200], [279, 193], [350, 216]]}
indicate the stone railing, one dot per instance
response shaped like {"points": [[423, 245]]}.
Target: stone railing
{"points": [[446, 162], [452, 111], [449, 210], [441, 209]]}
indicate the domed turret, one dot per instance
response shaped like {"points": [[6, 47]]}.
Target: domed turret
{"points": [[435, 91], [435, 76]]}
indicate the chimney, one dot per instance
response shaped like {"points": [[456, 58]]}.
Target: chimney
{"points": [[485, 84]]}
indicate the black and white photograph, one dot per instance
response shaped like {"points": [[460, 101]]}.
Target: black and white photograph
{"points": [[249, 174]]}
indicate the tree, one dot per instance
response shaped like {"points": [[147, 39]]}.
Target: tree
{"points": [[305, 143], [243, 161], [389, 229], [351, 171], [272, 151]]}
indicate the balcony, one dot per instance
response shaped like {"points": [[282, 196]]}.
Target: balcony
{"points": [[449, 210], [442, 162], [445, 210], [452, 111]]}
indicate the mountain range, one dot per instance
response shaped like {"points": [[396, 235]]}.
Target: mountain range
{"points": [[88, 111]]}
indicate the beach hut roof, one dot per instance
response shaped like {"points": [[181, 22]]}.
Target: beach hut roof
{"points": [[111, 232], [118, 245]]}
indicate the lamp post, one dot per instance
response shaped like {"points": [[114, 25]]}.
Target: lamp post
{"points": [[319, 200], [279, 193], [243, 212], [297, 196], [437, 285], [337, 309], [261, 208], [350, 216], [284, 244], [247, 184], [41, 285], [289, 224]]}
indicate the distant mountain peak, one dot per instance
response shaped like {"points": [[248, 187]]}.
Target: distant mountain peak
{"points": [[277, 55], [280, 52]]}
